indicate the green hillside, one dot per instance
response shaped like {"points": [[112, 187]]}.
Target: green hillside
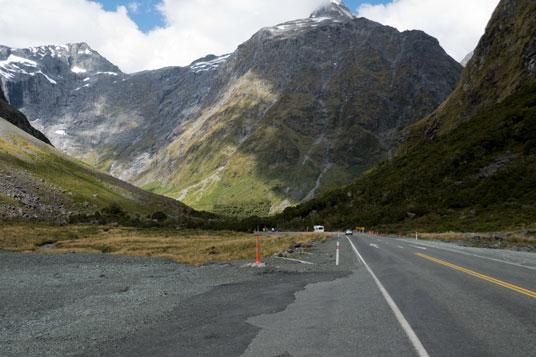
{"points": [[471, 164], [503, 62], [40, 182], [481, 177]]}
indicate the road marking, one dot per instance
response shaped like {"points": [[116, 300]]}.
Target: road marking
{"points": [[437, 246], [400, 247], [483, 257], [296, 260], [421, 351], [374, 245], [481, 276], [418, 246]]}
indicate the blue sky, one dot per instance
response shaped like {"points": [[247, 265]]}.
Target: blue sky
{"points": [[144, 13], [147, 17]]}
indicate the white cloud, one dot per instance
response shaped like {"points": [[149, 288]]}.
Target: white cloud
{"points": [[134, 7], [457, 24], [194, 28]]}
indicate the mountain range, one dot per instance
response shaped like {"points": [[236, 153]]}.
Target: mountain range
{"points": [[296, 110], [468, 166]]}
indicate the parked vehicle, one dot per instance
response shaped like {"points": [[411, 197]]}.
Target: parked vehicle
{"points": [[318, 228]]}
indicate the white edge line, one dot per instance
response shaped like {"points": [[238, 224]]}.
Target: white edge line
{"points": [[421, 351], [296, 260]]}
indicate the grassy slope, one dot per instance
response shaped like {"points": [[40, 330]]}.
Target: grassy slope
{"points": [[280, 160], [53, 176], [438, 180]]}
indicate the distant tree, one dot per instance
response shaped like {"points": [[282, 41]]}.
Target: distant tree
{"points": [[113, 210], [159, 216]]}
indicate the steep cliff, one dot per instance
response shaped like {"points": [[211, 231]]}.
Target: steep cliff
{"points": [[18, 119]]}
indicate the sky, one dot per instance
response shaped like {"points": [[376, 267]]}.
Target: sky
{"points": [[146, 15], [148, 34]]}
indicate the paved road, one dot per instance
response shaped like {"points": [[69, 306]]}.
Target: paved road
{"points": [[450, 301], [402, 298]]}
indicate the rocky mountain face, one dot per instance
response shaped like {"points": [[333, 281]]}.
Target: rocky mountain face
{"points": [[299, 108], [471, 165], [18, 119], [503, 62]]}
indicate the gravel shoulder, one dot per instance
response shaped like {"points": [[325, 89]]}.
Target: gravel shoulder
{"points": [[99, 304]]}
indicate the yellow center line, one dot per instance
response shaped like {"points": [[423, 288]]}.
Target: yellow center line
{"points": [[481, 276]]}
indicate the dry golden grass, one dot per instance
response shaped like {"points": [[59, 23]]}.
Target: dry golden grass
{"points": [[185, 246]]}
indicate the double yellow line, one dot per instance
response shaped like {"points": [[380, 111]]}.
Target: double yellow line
{"points": [[481, 276]]}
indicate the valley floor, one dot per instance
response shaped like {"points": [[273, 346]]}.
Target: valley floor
{"points": [[102, 304], [80, 304]]}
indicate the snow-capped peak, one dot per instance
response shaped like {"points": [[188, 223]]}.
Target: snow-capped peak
{"points": [[334, 9]]}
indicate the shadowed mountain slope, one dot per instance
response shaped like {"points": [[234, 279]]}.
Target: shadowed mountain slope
{"points": [[18, 119], [462, 172]]}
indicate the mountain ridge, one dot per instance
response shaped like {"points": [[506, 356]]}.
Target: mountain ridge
{"points": [[476, 174], [326, 95]]}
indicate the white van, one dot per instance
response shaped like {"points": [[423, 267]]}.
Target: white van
{"points": [[318, 228]]}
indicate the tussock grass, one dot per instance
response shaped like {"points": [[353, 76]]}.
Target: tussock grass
{"points": [[186, 246]]}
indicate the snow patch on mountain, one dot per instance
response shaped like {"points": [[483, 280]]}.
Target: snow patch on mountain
{"points": [[14, 65], [213, 64], [48, 78], [16, 59], [335, 9], [78, 70]]}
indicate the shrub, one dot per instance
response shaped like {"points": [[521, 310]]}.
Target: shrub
{"points": [[159, 216]]}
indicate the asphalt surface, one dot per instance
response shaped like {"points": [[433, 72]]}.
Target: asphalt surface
{"points": [[457, 301], [106, 305], [451, 312]]}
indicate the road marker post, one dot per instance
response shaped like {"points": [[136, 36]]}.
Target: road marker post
{"points": [[257, 249], [337, 253]]}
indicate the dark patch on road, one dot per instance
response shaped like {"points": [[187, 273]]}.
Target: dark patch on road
{"points": [[214, 323]]}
